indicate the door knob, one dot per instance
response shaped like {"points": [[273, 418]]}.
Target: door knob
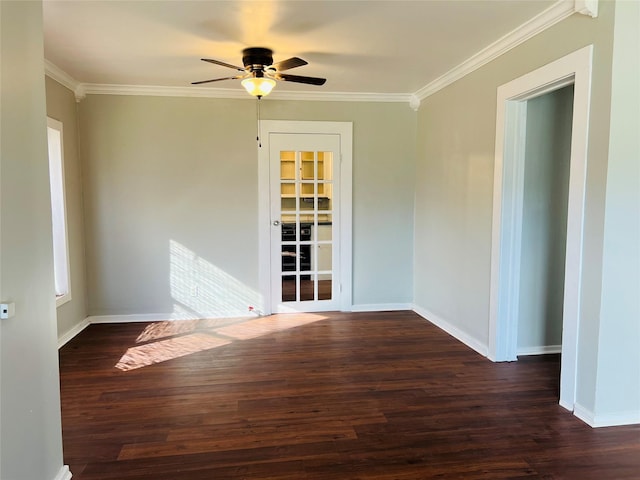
{"points": [[276, 223]]}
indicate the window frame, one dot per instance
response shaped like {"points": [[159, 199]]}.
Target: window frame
{"points": [[59, 224]]}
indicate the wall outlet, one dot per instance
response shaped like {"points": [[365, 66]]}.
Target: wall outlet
{"points": [[7, 310]]}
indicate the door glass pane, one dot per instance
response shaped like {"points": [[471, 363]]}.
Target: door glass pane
{"points": [[307, 167], [289, 288], [288, 218], [305, 258], [289, 258], [288, 190], [287, 165], [324, 257], [287, 204], [324, 200], [314, 256], [307, 287], [288, 231], [324, 229], [307, 190], [324, 287], [325, 166], [320, 170], [307, 204]]}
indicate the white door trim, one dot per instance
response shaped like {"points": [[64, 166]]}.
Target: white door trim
{"points": [[508, 186], [344, 130]]}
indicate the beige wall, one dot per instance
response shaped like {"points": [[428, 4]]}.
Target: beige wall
{"points": [[171, 195], [30, 433], [61, 105], [454, 175], [170, 188]]}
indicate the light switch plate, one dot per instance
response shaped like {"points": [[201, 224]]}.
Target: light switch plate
{"points": [[7, 310]]}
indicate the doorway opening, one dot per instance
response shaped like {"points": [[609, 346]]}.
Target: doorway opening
{"points": [[544, 222], [508, 201]]}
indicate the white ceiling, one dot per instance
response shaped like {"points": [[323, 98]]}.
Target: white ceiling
{"points": [[359, 46]]}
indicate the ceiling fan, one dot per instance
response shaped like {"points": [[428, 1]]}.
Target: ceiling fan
{"points": [[260, 73]]}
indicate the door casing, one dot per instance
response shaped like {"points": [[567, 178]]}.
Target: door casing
{"points": [[345, 131], [508, 190]]}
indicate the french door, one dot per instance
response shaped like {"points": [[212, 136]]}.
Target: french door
{"points": [[305, 221]]}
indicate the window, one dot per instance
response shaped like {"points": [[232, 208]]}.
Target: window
{"points": [[58, 212]]}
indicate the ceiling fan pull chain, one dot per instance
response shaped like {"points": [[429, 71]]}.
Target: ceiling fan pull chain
{"points": [[258, 122]]}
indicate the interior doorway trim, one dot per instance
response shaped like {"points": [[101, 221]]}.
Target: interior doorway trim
{"points": [[345, 131], [508, 190]]}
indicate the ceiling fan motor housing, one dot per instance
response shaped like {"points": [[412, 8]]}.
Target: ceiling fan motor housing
{"points": [[257, 59]]}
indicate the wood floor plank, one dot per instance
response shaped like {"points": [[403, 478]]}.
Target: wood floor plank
{"points": [[383, 395]]}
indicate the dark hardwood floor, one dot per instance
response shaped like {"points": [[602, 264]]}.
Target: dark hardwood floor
{"points": [[319, 396]]}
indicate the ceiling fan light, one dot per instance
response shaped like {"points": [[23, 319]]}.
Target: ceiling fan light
{"points": [[258, 86]]}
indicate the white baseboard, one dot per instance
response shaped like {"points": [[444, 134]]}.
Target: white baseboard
{"points": [[139, 317], [157, 317], [543, 350], [64, 473], [143, 317], [380, 307], [452, 330], [584, 414], [607, 420], [70, 334], [566, 405]]}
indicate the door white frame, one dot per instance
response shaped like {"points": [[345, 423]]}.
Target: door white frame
{"points": [[345, 131], [508, 189]]}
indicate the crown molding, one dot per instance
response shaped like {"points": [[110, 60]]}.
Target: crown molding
{"points": [[160, 91], [81, 90], [414, 102], [343, 96], [587, 7], [56, 73], [549, 17]]}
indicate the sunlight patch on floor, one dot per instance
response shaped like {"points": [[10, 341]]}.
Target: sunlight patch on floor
{"points": [[163, 341], [201, 289], [150, 353], [265, 325], [159, 330]]}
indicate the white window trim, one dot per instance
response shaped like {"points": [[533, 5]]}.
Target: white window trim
{"points": [[60, 256]]}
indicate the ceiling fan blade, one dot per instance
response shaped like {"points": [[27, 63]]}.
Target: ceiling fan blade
{"points": [[289, 63], [299, 79], [218, 62], [216, 80]]}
